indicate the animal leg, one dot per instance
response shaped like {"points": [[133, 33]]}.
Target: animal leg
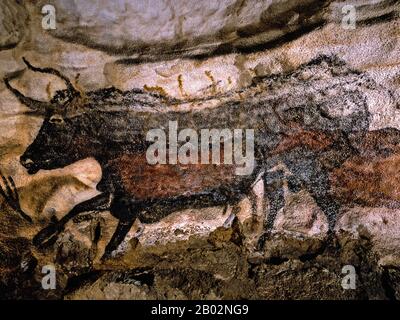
{"points": [[274, 193], [316, 180], [140, 230], [48, 235], [126, 210], [236, 209], [254, 214], [253, 202], [119, 235], [328, 205], [228, 222]]}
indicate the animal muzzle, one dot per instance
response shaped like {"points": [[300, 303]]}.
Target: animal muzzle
{"points": [[29, 164]]}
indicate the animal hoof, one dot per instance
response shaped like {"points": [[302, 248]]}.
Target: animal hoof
{"points": [[139, 231], [261, 241], [330, 238], [229, 221], [106, 256], [46, 236]]}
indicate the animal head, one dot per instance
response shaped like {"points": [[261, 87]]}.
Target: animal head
{"points": [[57, 143]]}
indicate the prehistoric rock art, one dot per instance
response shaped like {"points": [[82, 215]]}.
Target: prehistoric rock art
{"points": [[109, 177], [111, 126]]}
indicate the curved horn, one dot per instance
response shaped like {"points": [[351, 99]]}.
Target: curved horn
{"points": [[55, 72], [38, 106]]}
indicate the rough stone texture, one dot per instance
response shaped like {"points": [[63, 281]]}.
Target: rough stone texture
{"points": [[194, 50], [13, 17]]}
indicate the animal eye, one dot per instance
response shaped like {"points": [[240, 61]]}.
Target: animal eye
{"points": [[56, 119]]}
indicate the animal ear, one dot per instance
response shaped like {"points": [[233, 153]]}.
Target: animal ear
{"points": [[39, 107], [71, 89]]}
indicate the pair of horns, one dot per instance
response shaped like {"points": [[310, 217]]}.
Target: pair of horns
{"points": [[38, 106]]}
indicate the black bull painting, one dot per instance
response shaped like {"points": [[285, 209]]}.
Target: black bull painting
{"points": [[311, 120]]}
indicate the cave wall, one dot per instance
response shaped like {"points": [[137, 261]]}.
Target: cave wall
{"points": [[194, 50]]}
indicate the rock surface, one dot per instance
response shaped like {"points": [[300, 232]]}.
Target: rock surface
{"points": [[197, 50]]}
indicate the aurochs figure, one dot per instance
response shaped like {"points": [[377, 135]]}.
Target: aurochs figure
{"points": [[302, 119]]}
